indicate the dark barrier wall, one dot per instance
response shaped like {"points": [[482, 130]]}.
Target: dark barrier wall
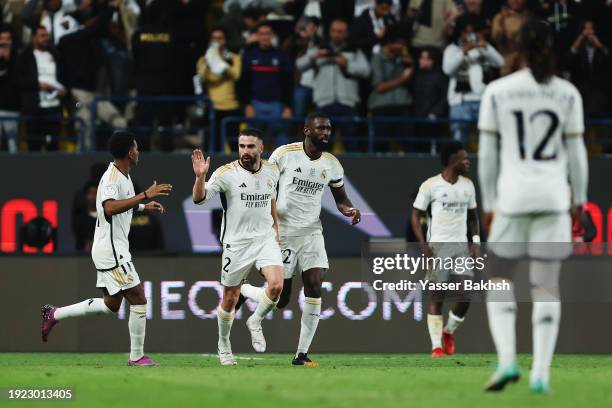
{"points": [[381, 187], [184, 291]]}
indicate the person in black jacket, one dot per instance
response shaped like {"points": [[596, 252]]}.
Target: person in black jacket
{"points": [[81, 55], [9, 94], [267, 82], [40, 81], [155, 73], [368, 30], [429, 91]]}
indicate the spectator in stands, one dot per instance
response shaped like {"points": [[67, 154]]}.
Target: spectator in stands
{"points": [[80, 54], [470, 62], [219, 69], [432, 22], [154, 53], [117, 48], [562, 16], [391, 73], [589, 63], [240, 26], [338, 67], [54, 18], [267, 75], [505, 33], [369, 28], [396, 7], [9, 94], [429, 89], [39, 78], [304, 38], [328, 10]]}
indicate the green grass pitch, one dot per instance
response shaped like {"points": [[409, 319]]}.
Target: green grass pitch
{"points": [[269, 380]]}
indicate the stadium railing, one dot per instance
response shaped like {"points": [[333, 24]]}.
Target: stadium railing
{"points": [[203, 108], [598, 134], [76, 137]]}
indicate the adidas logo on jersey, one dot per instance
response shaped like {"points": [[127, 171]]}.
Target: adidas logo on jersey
{"points": [[298, 170], [242, 185]]}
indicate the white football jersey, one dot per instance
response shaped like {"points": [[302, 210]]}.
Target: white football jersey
{"points": [[246, 198], [111, 247], [449, 204], [301, 185], [532, 120]]}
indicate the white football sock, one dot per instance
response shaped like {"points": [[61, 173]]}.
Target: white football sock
{"points": [[501, 311], [252, 292], [310, 320], [84, 308], [453, 322], [137, 324], [263, 307], [434, 324], [224, 320], [545, 319]]}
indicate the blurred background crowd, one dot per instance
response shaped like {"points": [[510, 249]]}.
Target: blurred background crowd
{"points": [[397, 76]]}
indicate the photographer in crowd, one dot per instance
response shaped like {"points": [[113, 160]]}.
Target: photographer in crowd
{"points": [[338, 68], [9, 94], [471, 63]]}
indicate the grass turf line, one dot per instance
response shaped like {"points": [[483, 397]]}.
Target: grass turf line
{"points": [[269, 380]]}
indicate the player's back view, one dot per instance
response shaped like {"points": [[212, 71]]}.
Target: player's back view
{"points": [[531, 126]]}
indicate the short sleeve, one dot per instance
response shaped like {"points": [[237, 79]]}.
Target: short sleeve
{"points": [[574, 126], [110, 191], [423, 198], [472, 203], [215, 185], [337, 174], [487, 118], [276, 158]]}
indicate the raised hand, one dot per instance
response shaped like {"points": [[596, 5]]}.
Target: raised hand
{"points": [[155, 207], [355, 213], [200, 165], [158, 190]]}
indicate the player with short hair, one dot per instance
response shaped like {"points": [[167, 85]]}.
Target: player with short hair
{"points": [[531, 126], [117, 276], [247, 188], [306, 168], [448, 200]]}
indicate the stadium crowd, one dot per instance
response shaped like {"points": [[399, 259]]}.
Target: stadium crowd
{"points": [[271, 59]]}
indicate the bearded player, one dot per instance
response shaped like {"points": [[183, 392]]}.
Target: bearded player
{"points": [[306, 168]]}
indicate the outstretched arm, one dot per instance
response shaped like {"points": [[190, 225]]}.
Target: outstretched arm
{"points": [[114, 207], [344, 205], [200, 169]]}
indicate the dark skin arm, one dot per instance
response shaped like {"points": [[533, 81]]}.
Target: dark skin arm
{"points": [[344, 205], [473, 229], [113, 207], [415, 222]]}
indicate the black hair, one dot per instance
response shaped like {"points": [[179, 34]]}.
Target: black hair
{"points": [[434, 54], [392, 34], [252, 12], [264, 24], [90, 184], [37, 29], [252, 132], [465, 20], [219, 28], [536, 41], [120, 144], [448, 149], [314, 115], [389, 2]]}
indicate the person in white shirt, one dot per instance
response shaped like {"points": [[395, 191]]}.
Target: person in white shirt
{"points": [[247, 188], [305, 170], [470, 62], [117, 276], [531, 125], [448, 200]]}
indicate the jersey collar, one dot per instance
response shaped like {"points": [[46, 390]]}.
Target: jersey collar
{"points": [[252, 172]]}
